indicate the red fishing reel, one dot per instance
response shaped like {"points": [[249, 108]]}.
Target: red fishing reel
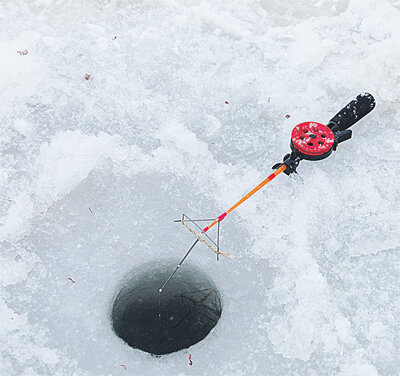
{"points": [[312, 141], [315, 141]]}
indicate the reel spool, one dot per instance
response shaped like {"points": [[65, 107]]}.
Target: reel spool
{"points": [[312, 141]]}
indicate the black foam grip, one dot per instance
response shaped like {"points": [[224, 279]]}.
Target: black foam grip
{"points": [[353, 112]]}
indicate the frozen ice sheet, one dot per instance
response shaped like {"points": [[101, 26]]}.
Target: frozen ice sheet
{"points": [[118, 116]]}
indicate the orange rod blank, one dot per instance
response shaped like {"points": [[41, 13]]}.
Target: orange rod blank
{"points": [[243, 199]]}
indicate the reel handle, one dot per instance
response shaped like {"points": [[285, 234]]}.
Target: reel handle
{"points": [[353, 112]]}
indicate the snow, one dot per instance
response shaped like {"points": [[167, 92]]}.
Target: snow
{"points": [[184, 112]]}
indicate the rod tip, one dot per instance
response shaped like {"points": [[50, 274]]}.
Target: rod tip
{"points": [[160, 290]]}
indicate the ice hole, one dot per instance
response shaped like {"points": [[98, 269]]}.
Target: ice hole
{"points": [[162, 323]]}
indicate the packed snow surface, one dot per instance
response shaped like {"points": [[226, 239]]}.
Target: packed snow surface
{"points": [[118, 116]]}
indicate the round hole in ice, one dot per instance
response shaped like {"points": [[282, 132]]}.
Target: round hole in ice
{"points": [[161, 323]]}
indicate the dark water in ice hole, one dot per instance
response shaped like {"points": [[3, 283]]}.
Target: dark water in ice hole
{"points": [[182, 315]]}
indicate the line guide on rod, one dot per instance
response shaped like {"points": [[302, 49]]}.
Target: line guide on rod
{"points": [[310, 141]]}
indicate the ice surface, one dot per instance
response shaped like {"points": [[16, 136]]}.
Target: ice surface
{"points": [[94, 169]]}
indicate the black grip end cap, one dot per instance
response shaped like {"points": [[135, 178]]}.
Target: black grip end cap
{"points": [[353, 112]]}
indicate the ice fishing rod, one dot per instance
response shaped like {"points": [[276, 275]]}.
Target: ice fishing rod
{"points": [[311, 141]]}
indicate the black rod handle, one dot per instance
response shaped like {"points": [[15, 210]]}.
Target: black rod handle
{"points": [[353, 112]]}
